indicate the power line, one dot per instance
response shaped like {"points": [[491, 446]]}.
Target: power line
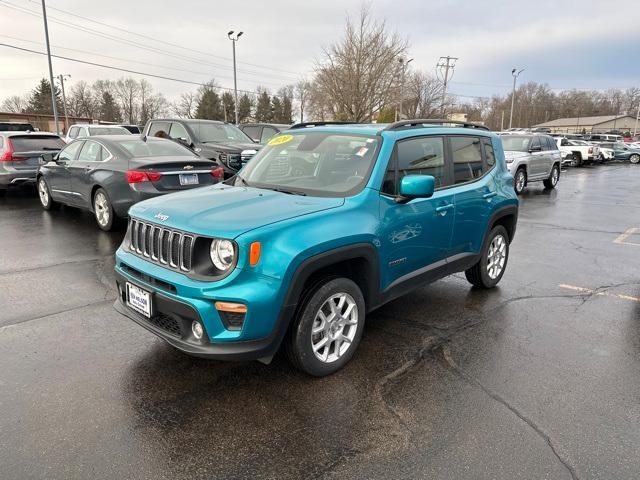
{"points": [[207, 74], [162, 77], [131, 43], [163, 41]]}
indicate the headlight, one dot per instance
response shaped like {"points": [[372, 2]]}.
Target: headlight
{"points": [[509, 160], [222, 254]]}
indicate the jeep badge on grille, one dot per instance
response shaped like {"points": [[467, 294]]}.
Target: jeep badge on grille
{"points": [[162, 217]]}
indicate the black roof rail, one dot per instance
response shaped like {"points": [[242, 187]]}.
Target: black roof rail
{"points": [[318, 124], [434, 121]]}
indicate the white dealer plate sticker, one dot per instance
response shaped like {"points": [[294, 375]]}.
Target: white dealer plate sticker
{"points": [[189, 179], [139, 300]]}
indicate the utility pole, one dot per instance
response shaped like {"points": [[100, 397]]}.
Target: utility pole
{"points": [[513, 93], [53, 91], [447, 64], [502, 121], [403, 62], [635, 129], [235, 78], [61, 77]]}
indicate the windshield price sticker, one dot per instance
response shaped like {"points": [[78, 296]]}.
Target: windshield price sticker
{"points": [[279, 140]]}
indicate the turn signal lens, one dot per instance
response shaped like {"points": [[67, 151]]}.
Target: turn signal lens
{"points": [[254, 253], [231, 307]]}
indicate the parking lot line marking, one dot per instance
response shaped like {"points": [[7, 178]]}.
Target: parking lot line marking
{"points": [[590, 291], [621, 239]]}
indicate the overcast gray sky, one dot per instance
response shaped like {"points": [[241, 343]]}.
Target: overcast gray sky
{"points": [[565, 43]]}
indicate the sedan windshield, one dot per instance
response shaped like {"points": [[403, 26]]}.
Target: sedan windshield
{"points": [[154, 147], [513, 143], [218, 132], [108, 131], [322, 164]]}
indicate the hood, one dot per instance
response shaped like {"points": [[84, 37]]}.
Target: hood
{"points": [[513, 155], [229, 147], [226, 211]]}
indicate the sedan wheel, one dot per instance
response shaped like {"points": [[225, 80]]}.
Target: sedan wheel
{"points": [[44, 195], [635, 158], [102, 210]]}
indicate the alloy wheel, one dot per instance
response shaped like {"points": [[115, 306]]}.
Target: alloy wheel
{"points": [[496, 256], [101, 209], [43, 192], [555, 175], [334, 327], [635, 158], [520, 181]]}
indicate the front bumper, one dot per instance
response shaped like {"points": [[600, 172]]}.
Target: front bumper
{"points": [[176, 304]]}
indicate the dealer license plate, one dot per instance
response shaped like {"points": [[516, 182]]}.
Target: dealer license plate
{"points": [[189, 179], [139, 300]]}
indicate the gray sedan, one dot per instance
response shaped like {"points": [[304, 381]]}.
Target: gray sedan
{"points": [[108, 174]]}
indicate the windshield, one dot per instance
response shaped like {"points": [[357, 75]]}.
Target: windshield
{"points": [[516, 144], [108, 131], [322, 164], [218, 132], [155, 148]]}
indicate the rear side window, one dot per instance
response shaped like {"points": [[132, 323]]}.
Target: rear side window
{"points": [[489, 154], [91, 152], [35, 143], [552, 143], [73, 133], [467, 159]]}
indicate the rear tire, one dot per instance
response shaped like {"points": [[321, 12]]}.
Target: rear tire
{"points": [[635, 158], [103, 211], [520, 180], [578, 158], [3, 192], [488, 271], [552, 181], [327, 329], [44, 193]]}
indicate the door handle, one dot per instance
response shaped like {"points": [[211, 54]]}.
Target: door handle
{"points": [[489, 195], [442, 209]]}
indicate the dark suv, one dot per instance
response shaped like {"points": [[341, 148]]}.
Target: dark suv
{"points": [[221, 142]]}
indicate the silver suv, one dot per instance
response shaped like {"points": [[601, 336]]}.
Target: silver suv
{"points": [[532, 158]]}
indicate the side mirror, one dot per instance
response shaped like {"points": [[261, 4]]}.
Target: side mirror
{"points": [[537, 148], [46, 158], [416, 186]]}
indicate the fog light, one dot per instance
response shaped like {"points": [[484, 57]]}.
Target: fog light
{"points": [[196, 328]]}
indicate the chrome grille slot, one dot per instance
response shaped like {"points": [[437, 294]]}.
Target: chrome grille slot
{"points": [[161, 245]]}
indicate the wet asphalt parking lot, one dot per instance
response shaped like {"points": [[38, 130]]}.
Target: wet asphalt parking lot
{"points": [[538, 378]]}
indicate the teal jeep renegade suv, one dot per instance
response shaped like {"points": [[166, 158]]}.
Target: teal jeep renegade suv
{"points": [[325, 224]]}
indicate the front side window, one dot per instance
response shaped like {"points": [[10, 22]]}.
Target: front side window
{"points": [[73, 133], [218, 132], [178, 132], [158, 129], [70, 151], [467, 159], [514, 143], [154, 147], [91, 152], [267, 134], [253, 132], [312, 163]]}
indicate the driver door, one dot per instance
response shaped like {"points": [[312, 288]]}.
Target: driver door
{"points": [[59, 178]]}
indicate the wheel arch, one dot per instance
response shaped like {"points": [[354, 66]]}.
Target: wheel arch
{"points": [[505, 216]]}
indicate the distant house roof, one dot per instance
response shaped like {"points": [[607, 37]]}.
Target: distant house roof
{"points": [[582, 121]]}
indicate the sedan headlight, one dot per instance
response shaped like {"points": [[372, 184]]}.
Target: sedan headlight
{"points": [[222, 254]]}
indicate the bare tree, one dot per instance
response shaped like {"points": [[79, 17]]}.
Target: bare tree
{"points": [[423, 95], [126, 92], [302, 89], [185, 106], [82, 100], [14, 104], [354, 77]]}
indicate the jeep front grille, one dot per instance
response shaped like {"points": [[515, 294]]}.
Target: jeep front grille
{"points": [[161, 245]]}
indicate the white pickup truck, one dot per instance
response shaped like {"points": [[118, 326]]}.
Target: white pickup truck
{"points": [[577, 152]]}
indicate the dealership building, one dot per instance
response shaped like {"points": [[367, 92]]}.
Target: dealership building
{"points": [[599, 124]]}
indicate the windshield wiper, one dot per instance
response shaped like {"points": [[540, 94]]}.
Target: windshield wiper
{"points": [[287, 191]]}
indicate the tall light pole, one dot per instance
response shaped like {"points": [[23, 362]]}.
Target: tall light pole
{"points": [[447, 65], [515, 74], [635, 129], [235, 78], [403, 62], [61, 77], [53, 94]]}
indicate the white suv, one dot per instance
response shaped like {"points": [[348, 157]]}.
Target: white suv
{"points": [[89, 130]]}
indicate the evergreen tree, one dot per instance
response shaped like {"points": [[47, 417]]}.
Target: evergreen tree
{"points": [[229, 107], [263, 108], [108, 109], [209, 105], [276, 109], [244, 108], [40, 99], [287, 110]]}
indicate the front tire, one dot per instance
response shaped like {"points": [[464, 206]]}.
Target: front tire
{"points": [[488, 271], [520, 180], [552, 181], [635, 158], [328, 327], [44, 193], [103, 211]]}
